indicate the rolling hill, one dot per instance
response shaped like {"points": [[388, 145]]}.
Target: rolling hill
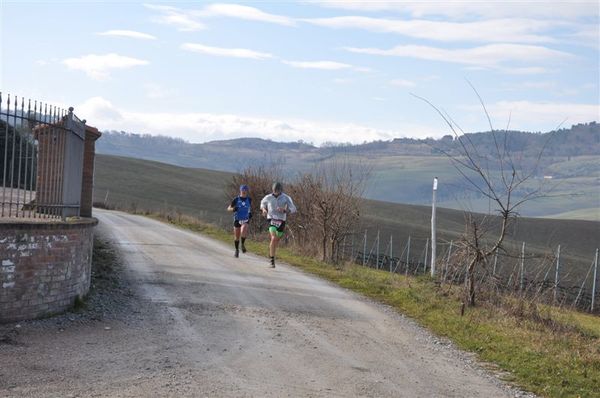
{"points": [[402, 169], [133, 183]]}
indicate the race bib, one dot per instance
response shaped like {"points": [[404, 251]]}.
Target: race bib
{"points": [[243, 221], [276, 223]]}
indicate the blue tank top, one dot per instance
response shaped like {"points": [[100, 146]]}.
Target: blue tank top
{"points": [[243, 208]]}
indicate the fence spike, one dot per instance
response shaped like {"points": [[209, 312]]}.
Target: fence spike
{"points": [[594, 281], [522, 278], [583, 285], [426, 252], [556, 280], [391, 252], [377, 263], [407, 254]]}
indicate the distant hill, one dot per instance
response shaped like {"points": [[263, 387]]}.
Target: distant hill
{"points": [[578, 140], [230, 155], [141, 184], [403, 168]]}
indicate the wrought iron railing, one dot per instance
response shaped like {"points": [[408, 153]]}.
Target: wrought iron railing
{"points": [[41, 159]]}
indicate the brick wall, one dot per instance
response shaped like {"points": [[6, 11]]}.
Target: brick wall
{"points": [[44, 266]]}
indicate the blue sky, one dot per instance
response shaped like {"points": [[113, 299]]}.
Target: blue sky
{"points": [[318, 71]]}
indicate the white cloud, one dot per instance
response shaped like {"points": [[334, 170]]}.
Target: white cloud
{"points": [[528, 70], [587, 35], [362, 69], [325, 65], [225, 52], [173, 16], [402, 83], [98, 66], [461, 9], [536, 116], [190, 20], [128, 33], [203, 127], [538, 85], [247, 53], [513, 30], [245, 12], [98, 111], [156, 91], [492, 55], [531, 70], [547, 86]]}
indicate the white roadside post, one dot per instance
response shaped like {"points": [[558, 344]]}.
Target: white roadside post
{"points": [[433, 241]]}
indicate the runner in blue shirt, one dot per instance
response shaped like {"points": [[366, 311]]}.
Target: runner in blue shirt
{"points": [[241, 206]]}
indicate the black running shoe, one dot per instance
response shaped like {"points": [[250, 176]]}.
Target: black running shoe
{"points": [[237, 254], [272, 263], [243, 249]]}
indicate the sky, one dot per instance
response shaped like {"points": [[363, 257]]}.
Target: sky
{"points": [[317, 71]]}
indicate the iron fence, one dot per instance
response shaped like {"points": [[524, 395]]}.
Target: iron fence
{"points": [[550, 276], [41, 155]]}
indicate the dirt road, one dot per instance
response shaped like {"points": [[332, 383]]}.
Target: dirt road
{"points": [[206, 324]]}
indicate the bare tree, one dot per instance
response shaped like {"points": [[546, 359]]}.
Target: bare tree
{"points": [[332, 198], [496, 174], [328, 200], [344, 186]]}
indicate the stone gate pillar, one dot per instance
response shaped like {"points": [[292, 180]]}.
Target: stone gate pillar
{"points": [[87, 186]]}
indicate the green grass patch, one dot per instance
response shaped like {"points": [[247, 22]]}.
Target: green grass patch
{"points": [[558, 356]]}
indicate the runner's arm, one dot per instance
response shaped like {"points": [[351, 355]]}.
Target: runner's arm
{"points": [[291, 207], [263, 206], [232, 206]]}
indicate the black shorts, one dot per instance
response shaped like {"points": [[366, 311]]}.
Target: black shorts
{"points": [[237, 224]]}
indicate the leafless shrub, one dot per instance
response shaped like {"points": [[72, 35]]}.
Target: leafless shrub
{"points": [[497, 175], [327, 198], [331, 194]]}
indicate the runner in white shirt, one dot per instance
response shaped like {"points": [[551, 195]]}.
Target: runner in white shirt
{"points": [[275, 207]]}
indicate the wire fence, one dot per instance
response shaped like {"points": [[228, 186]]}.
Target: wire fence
{"points": [[551, 276], [41, 156]]}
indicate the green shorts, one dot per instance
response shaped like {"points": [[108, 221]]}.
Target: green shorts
{"points": [[276, 227]]}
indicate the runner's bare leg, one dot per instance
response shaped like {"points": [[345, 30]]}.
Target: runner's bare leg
{"points": [[273, 244]]}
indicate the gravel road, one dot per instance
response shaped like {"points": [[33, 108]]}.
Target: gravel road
{"points": [[203, 323]]}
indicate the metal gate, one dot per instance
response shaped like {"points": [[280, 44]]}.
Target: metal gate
{"points": [[41, 156]]}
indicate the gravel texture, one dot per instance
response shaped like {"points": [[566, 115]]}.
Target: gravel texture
{"points": [[184, 318]]}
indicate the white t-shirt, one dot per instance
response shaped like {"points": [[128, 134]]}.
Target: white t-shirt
{"points": [[272, 203]]}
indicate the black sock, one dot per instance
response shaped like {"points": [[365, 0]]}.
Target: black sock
{"points": [[272, 259], [237, 244], [243, 241]]}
